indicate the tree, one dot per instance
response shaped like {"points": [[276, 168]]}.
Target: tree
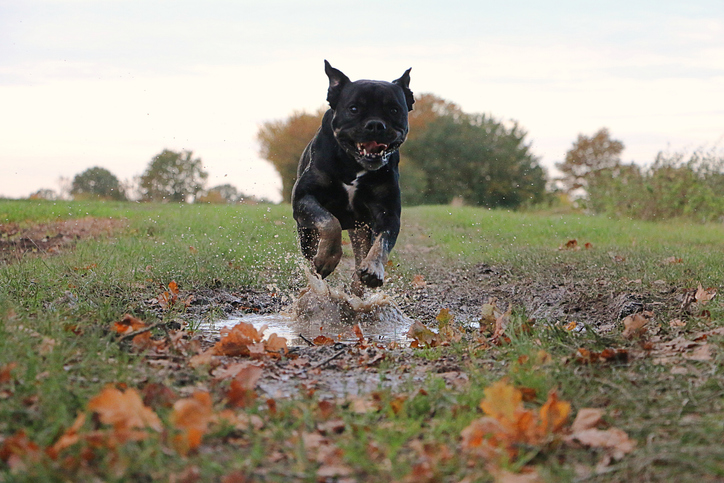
{"points": [[282, 143], [172, 176], [588, 158], [221, 194], [448, 154], [44, 194], [97, 183], [473, 157]]}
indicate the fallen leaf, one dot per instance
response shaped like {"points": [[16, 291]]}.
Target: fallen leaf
{"points": [[192, 416], [418, 282], [236, 341], [241, 392], [634, 325], [18, 450], [68, 438], [672, 260], [677, 323], [587, 418], [703, 296], [489, 313], [323, 340], [422, 336], [501, 323], [125, 411], [128, 324], [612, 439], [6, 372]]}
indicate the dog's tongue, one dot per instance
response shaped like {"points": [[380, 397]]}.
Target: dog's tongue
{"points": [[372, 147]]}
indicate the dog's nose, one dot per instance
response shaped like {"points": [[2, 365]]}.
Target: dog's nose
{"points": [[375, 125]]}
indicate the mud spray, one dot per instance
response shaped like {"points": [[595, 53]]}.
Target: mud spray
{"points": [[321, 309]]}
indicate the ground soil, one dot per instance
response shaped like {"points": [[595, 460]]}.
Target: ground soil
{"points": [[346, 369], [52, 237]]}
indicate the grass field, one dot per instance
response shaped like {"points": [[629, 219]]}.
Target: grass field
{"points": [[81, 402]]}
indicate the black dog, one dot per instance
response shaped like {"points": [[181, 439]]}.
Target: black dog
{"points": [[348, 176]]}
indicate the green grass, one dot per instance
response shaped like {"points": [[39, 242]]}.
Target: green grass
{"points": [[73, 297]]}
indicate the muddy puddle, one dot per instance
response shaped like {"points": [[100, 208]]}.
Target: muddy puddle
{"points": [[321, 309]]}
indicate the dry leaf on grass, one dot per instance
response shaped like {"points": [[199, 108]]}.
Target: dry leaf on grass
{"points": [[508, 426], [703, 296], [192, 416], [634, 325], [125, 411], [584, 431]]}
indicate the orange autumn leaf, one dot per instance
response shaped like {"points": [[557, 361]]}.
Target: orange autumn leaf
{"points": [[68, 438], [125, 411], [173, 287], [323, 340], [241, 390], [508, 425], [276, 343], [18, 449], [501, 401], [192, 416], [553, 414], [236, 341], [128, 324], [6, 372]]}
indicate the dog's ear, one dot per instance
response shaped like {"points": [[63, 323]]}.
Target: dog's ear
{"points": [[404, 82], [337, 81]]}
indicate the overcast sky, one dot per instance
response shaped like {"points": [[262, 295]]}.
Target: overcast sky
{"points": [[113, 83]]}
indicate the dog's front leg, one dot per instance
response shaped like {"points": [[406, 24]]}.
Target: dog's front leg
{"points": [[375, 250], [316, 225]]}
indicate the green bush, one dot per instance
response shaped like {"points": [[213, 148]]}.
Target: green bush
{"points": [[672, 187]]}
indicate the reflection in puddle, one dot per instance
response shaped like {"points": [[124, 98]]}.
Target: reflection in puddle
{"points": [[325, 310]]}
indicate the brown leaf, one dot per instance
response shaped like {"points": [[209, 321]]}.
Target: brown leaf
{"points": [[6, 372], [323, 340], [241, 392], [612, 439], [418, 282], [634, 325], [501, 323], [587, 418], [703, 296], [236, 341], [192, 416], [125, 411], [422, 335], [128, 324]]}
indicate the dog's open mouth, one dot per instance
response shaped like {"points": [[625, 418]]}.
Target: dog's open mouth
{"points": [[372, 149]]}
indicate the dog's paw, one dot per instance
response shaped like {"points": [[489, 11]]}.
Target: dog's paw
{"points": [[372, 274], [324, 264]]}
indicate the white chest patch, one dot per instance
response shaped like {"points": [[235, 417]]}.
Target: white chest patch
{"points": [[352, 188]]}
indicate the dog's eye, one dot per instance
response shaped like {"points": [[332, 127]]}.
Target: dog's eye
{"points": [[394, 110], [353, 109]]}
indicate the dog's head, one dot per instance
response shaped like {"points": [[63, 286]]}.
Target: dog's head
{"points": [[370, 117]]}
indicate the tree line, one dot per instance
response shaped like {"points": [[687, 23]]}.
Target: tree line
{"points": [[452, 156], [171, 176]]}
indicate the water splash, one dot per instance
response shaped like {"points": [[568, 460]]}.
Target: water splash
{"points": [[322, 309]]}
